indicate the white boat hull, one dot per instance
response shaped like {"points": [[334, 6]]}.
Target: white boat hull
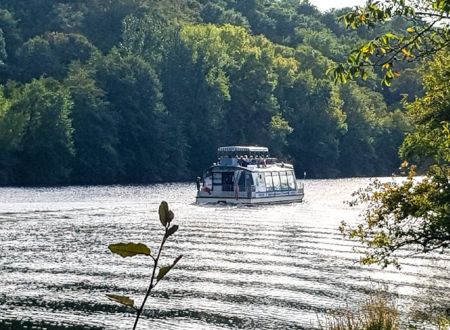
{"points": [[249, 201]]}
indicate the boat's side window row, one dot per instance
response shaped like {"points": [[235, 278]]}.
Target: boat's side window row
{"points": [[279, 181]]}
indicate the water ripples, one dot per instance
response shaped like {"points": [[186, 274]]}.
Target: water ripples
{"points": [[268, 267]]}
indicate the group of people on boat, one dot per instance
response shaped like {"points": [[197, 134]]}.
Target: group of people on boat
{"points": [[244, 161]]}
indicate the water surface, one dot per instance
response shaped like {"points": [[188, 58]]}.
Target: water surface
{"points": [[260, 267]]}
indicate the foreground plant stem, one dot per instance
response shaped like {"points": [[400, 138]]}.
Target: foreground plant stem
{"points": [[151, 286], [140, 249]]}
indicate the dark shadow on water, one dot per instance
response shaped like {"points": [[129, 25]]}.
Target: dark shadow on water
{"points": [[19, 325]]}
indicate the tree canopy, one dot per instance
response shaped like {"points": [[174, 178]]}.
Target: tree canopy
{"points": [[411, 214], [423, 32], [147, 90]]}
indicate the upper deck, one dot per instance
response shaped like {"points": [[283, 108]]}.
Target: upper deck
{"points": [[244, 156], [238, 151]]}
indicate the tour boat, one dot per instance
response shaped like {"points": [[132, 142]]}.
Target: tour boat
{"points": [[248, 175]]}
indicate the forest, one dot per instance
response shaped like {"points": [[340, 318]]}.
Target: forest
{"points": [[143, 91]]}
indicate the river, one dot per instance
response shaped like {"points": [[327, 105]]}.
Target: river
{"points": [[260, 267]]}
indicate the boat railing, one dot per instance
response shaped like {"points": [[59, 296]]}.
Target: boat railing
{"points": [[247, 161]]}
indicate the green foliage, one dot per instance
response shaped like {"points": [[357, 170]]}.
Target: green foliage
{"points": [[431, 140], [67, 18], [10, 32], [3, 54], [427, 34], [129, 249], [220, 14], [121, 299], [51, 54], [140, 249], [165, 215], [318, 122], [148, 37], [279, 130], [40, 115], [414, 213], [369, 125], [155, 90], [164, 270], [133, 92], [95, 134], [8, 139]]}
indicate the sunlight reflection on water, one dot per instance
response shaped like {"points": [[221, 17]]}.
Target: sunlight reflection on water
{"points": [[261, 267]]}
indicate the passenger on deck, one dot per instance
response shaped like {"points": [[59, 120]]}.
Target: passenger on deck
{"points": [[243, 162], [198, 183]]}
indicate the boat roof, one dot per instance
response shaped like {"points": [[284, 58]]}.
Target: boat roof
{"points": [[254, 168], [248, 149]]}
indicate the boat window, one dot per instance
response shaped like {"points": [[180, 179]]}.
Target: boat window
{"points": [[227, 181], [291, 180], [217, 179], [260, 182], [276, 181], [284, 181], [269, 182], [242, 182], [249, 179]]}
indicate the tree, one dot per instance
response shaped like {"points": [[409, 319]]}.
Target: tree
{"points": [[9, 138], [365, 112], [33, 17], [10, 40], [133, 92], [151, 37], [254, 79], [151, 84], [95, 134], [415, 213], [10, 31], [316, 115], [45, 150], [2, 49], [67, 18], [51, 54], [427, 32], [196, 87], [220, 14]]}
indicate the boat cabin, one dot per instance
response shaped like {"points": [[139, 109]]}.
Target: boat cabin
{"points": [[248, 175]]}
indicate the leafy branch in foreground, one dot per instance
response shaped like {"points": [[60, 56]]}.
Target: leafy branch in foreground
{"points": [[414, 213], [426, 34], [139, 249]]}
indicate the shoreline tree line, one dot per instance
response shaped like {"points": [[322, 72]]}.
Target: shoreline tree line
{"points": [[142, 91]]}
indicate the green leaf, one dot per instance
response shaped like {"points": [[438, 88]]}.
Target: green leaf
{"points": [[390, 35], [129, 249], [164, 270], [171, 216], [364, 75], [165, 216], [172, 230], [124, 300]]}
